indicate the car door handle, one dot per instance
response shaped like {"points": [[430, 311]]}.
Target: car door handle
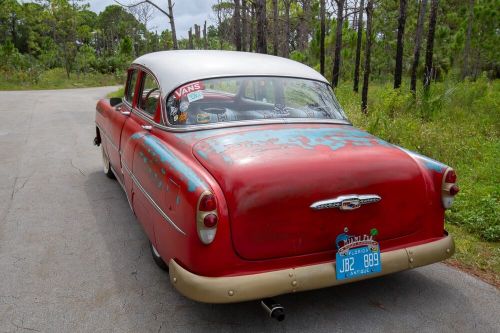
{"points": [[147, 127], [125, 113]]}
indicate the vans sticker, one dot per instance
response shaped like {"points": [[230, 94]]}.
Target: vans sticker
{"points": [[188, 88]]}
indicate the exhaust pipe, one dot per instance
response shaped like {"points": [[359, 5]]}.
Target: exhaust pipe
{"points": [[274, 309]]}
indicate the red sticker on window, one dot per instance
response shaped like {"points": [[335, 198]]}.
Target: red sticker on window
{"points": [[188, 88]]}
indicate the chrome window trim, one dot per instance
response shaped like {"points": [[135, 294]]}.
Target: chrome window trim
{"points": [[245, 123], [150, 199], [124, 101], [146, 116], [126, 87]]}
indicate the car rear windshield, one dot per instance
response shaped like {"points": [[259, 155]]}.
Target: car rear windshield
{"points": [[251, 98]]}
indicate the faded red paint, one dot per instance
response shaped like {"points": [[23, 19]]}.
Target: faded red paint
{"points": [[265, 178]]}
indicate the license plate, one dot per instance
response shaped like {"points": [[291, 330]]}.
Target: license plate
{"points": [[357, 262]]}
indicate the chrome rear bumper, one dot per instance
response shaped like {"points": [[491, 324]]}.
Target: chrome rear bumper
{"points": [[272, 283]]}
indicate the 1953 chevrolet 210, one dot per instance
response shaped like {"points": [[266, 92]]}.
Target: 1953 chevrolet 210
{"points": [[250, 182]]}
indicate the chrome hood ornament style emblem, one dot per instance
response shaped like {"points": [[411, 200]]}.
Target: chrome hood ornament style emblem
{"points": [[346, 202]]}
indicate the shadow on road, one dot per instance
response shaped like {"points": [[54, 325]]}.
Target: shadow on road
{"points": [[409, 301]]}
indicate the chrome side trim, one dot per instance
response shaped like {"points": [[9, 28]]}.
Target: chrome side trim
{"points": [[150, 199], [346, 202]]}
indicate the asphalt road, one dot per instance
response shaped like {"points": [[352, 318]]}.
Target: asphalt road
{"points": [[74, 259]]}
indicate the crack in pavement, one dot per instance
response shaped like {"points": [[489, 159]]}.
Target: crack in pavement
{"points": [[75, 167]]}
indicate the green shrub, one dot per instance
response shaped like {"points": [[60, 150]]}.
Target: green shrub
{"points": [[455, 123]]}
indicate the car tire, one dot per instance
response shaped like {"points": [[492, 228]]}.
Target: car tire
{"points": [[158, 260], [106, 164]]}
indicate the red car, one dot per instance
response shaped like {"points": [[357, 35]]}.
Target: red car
{"points": [[250, 182]]}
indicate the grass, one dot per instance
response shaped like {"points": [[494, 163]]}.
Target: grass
{"points": [[459, 125], [55, 79], [118, 93], [475, 256]]}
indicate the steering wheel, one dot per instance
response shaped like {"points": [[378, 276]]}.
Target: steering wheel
{"points": [[149, 93]]}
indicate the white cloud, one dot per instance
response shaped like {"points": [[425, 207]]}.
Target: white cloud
{"points": [[187, 13]]}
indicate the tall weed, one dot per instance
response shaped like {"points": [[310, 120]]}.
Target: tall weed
{"points": [[455, 123]]}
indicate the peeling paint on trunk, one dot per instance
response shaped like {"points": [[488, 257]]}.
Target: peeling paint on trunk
{"points": [[305, 138]]}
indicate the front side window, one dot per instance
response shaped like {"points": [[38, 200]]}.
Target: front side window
{"points": [[132, 80], [150, 95], [251, 98]]}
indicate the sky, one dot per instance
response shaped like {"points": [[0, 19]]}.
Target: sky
{"points": [[186, 13]]}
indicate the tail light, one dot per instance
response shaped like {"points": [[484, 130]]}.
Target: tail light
{"points": [[449, 188], [206, 217]]}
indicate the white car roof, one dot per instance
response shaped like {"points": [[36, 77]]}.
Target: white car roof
{"points": [[175, 68]]}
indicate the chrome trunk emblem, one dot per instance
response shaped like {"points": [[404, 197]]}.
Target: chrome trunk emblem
{"points": [[346, 202]]}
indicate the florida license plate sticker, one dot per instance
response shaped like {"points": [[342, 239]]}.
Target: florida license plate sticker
{"points": [[357, 256]]}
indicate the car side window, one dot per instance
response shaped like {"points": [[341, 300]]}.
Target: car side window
{"points": [[132, 81], [150, 94]]}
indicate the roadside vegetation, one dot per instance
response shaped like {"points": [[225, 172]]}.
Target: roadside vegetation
{"points": [[420, 74], [56, 78], [457, 124], [119, 93]]}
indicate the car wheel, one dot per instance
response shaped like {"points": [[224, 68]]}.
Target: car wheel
{"points": [[106, 164], [156, 256]]}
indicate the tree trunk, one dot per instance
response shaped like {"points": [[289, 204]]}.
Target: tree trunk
{"points": [[286, 44], [366, 75], [338, 43], [418, 42], [205, 37], [354, 17], [261, 46], [322, 34], [219, 26], [190, 39], [252, 28], [244, 26], [429, 52], [358, 46], [303, 28], [13, 29], [67, 66], [172, 24], [465, 69], [275, 27], [237, 25], [197, 32], [398, 71], [346, 12]]}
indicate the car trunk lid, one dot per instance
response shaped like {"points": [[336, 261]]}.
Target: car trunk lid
{"points": [[272, 175]]}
